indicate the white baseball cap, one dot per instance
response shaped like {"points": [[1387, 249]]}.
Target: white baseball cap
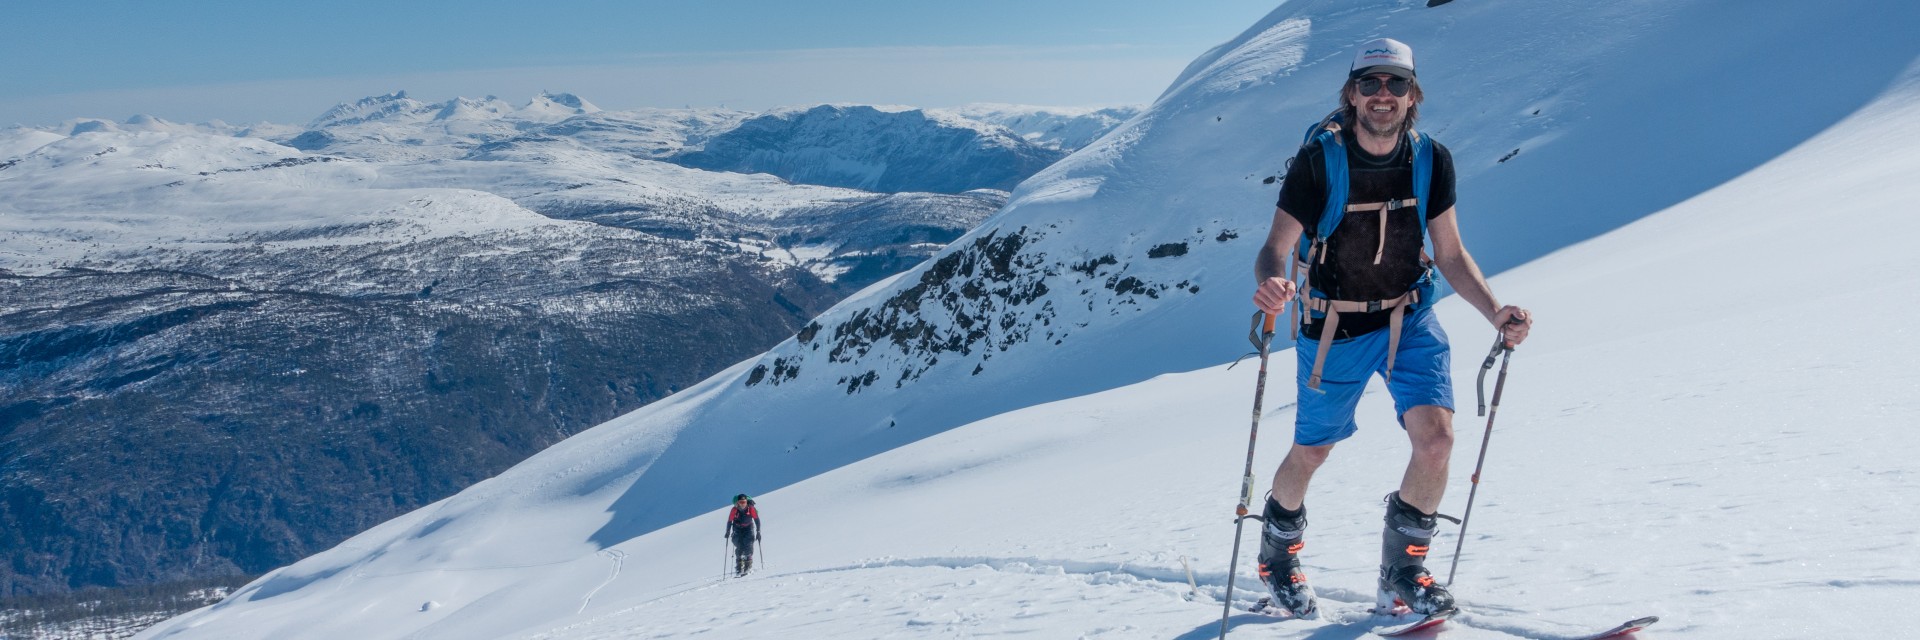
{"points": [[1384, 55]]}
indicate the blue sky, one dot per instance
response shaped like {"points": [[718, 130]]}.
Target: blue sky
{"points": [[287, 62]]}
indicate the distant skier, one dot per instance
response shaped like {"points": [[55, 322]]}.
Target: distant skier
{"points": [[1367, 290], [743, 526]]}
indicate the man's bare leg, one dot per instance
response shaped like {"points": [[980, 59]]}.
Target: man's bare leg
{"points": [[1290, 481], [1430, 427]]}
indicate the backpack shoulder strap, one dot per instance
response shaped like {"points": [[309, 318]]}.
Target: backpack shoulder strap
{"points": [[1422, 174], [1334, 149]]}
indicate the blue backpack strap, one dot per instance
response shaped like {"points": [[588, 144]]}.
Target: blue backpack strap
{"points": [[1334, 150], [1423, 190], [1422, 174], [1327, 131]]}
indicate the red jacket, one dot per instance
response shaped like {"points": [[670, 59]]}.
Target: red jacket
{"points": [[739, 521]]}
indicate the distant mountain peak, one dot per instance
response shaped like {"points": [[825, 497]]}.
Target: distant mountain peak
{"points": [[487, 108], [368, 108], [873, 148], [559, 104], [92, 125]]}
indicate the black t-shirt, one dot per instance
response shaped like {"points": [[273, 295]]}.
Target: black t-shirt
{"points": [[1349, 272]]}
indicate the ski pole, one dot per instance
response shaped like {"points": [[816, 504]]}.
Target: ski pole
{"points": [[1505, 352], [1261, 335], [726, 556]]}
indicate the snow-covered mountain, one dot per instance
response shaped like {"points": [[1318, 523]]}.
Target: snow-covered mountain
{"points": [[395, 127], [250, 351], [657, 134], [1051, 127], [1034, 432], [623, 168], [426, 296], [875, 149]]}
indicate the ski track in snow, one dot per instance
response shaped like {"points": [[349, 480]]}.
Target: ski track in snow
{"points": [[613, 573], [957, 596]]}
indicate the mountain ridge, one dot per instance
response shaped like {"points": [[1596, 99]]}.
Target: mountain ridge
{"points": [[321, 339]]}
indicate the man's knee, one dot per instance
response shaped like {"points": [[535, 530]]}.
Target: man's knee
{"points": [[1309, 458], [1431, 429]]}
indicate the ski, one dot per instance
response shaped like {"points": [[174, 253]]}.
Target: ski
{"points": [[1625, 628], [1432, 620], [1265, 607]]}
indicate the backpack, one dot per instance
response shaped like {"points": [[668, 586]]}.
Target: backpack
{"points": [[736, 514], [743, 518], [1313, 242]]}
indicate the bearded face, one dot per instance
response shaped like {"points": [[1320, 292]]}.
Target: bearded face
{"points": [[1382, 113]]}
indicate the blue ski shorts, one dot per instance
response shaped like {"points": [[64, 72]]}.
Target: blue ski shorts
{"points": [[1422, 374]]}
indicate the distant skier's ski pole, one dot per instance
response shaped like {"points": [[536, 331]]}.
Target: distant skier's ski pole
{"points": [[1261, 335], [1504, 351]]}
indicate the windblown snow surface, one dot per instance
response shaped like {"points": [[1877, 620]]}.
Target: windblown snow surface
{"points": [[1712, 422]]}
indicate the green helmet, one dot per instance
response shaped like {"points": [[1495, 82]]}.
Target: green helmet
{"points": [[740, 497]]}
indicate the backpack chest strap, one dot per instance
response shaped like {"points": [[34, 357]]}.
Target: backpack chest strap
{"points": [[1330, 326], [1383, 207]]}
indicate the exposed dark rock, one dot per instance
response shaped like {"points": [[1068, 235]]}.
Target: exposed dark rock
{"points": [[1168, 250]]}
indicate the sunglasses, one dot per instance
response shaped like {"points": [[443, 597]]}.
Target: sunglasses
{"points": [[1371, 85]]}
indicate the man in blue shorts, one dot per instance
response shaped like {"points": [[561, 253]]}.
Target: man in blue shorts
{"points": [[1366, 297]]}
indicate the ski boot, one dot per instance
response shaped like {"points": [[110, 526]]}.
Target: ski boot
{"points": [[742, 564], [1280, 542], [1404, 581]]}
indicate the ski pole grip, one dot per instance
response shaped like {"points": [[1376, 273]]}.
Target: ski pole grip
{"points": [[1514, 320], [1267, 324]]}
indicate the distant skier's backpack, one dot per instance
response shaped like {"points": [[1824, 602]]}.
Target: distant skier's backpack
{"points": [[1313, 242], [744, 518], [740, 518]]}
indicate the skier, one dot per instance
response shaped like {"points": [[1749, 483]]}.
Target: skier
{"points": [[1365, 297], [743, 527]]}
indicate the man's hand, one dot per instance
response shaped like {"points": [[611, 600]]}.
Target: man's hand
{"points": [[1514, 323], [1272, 295]]}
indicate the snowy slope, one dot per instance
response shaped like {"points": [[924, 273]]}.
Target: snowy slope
{"points": [[398, 128], [644, 133], [19, 141], [92, 199], [1071, 518], [1051, 127], [1643, 464]]}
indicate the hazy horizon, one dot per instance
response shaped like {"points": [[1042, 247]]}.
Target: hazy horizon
{"points": [[246, 63]]}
